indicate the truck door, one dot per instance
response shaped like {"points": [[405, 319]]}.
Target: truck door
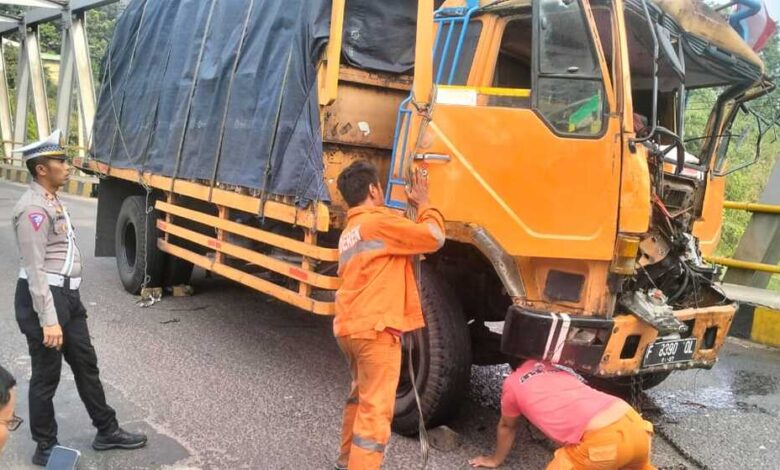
{"points": [[528, 148]]}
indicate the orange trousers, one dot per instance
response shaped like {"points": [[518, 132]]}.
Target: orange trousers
{"points": [[375, 365], [624, 444]]}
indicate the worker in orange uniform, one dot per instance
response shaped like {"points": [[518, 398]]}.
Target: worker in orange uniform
{"points": [[597, 431], [377, 302]]}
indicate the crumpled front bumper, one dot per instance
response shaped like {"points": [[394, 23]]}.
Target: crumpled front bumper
{"points": [[610, 347]]}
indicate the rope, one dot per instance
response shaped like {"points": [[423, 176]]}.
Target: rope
{"points": [[195, 73], [411, 213], [269, 162], [227, 98], [423, 433]]}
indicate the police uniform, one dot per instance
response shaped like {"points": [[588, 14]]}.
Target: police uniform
{"points": [[47, 294]]}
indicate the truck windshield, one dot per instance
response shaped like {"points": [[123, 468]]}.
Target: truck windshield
{"points": [[749, 133]]}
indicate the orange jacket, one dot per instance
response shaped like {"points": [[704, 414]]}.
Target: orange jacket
{"points": [[378, 288]]}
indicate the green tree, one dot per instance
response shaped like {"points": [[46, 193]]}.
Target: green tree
{"points": [[100, 27], [747, 185]]}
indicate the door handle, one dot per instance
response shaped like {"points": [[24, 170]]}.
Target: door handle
{"points": [[432, 157]]}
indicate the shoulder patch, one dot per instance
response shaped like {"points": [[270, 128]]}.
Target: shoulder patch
{"points": [[36, 219]]}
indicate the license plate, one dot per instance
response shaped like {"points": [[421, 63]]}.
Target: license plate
{"points": [[669, 352]]}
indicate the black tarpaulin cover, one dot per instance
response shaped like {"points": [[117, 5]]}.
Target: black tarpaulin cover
{"points": [[225, 90]]}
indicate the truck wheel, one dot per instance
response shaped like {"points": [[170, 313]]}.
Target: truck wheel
{"points": [[442, 360], [622, 385], [177, 271], [137, 254]]}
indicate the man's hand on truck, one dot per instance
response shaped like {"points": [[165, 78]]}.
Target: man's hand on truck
{"points": [[417, 189]]}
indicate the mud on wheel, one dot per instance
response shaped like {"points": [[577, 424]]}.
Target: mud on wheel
{"points": [[441, 356]]}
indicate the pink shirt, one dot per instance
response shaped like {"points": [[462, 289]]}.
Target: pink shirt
{"points": [[553, 400]]}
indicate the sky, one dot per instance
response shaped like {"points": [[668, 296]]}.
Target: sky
{"points": [[774, 8]]}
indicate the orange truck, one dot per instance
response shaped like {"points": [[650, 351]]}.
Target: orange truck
{"points": [[553, 136]]}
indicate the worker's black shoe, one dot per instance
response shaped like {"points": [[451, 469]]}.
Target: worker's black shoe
{"points": [[119, 439], [42, 454]]}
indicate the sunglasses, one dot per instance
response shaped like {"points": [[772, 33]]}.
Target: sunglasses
{"points": [[13, 423]]}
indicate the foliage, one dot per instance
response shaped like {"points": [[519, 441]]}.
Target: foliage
{"points": [[100, 27], [745, 185]]}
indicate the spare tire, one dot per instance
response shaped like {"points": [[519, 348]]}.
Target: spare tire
{"points": [[442, 359], [137, 254]]}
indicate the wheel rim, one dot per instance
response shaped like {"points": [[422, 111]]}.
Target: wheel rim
{"points": [[130, 244]]}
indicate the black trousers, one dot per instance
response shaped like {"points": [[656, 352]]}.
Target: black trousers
{"points": [[47, 363]]}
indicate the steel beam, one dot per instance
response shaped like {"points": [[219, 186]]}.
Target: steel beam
{"points": [[81, 140], [22, 96], [10, 20], [42, 15], [83, 69], [6, 126], [33, 3], [37, 82], [65, 83], [761, 240]]}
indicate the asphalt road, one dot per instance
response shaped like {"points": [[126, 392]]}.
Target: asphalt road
{"points": [[231, 379]]}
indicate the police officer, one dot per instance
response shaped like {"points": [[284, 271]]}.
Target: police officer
{"points": [[48, 307]]}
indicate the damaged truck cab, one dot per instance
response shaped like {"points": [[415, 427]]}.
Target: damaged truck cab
{"points": [[553, 136]]}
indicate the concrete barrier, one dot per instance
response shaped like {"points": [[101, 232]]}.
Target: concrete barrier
{"points": [[758, 316], [759, 324], [766, 326]]}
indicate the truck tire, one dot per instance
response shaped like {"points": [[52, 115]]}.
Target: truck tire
{"points": [[137, 254], [622, 385], [442, 358], [177, 271]]}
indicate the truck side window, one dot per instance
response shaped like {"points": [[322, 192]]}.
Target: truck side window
{"points": [[443, 60], [569, 91], [513, 65]]}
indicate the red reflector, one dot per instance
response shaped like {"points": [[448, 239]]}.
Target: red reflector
{"points": [[299, 273]]}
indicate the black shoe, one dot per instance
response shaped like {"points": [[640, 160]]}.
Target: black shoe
{"points": [[42, 454], [119, 439]]}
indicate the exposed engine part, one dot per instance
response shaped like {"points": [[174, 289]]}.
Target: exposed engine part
{"points": [[652, 307], [669, 260], [679, 197], [652, 249], [692, 255]]}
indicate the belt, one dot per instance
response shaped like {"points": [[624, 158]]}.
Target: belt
{"points": [[57, 280]]}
